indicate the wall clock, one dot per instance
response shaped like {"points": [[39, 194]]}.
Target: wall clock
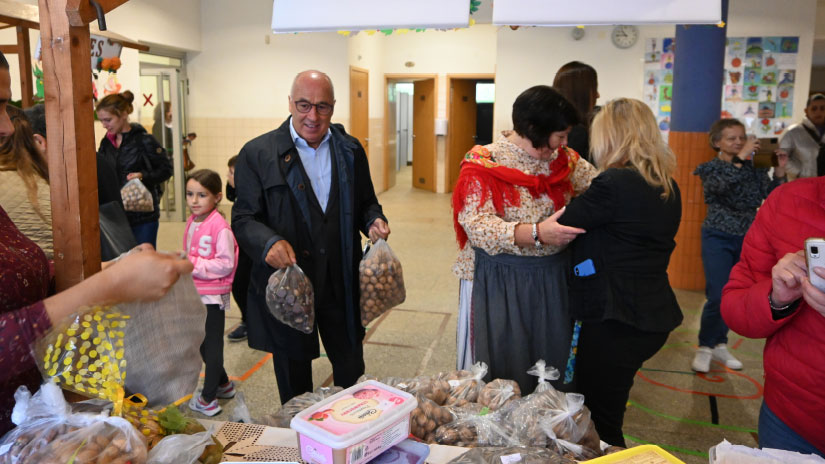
{"points": [[624, 36]]}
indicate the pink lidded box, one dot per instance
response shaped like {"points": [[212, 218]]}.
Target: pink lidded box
{"points": [[355, 425]]}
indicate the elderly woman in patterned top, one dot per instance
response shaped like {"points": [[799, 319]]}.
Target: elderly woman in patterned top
{"points": [[512, 260], [733, 190]]}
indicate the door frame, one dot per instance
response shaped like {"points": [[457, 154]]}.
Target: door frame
{"points": [[407, 77], [450, 77], [352, 104]]}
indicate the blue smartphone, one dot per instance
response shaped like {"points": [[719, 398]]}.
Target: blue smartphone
{"points": [[584, 268]]}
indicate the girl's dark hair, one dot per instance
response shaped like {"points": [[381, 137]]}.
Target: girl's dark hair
{"points": [[210, 180], [539, 111], [715, 133], [119, 104], [579, 84]]}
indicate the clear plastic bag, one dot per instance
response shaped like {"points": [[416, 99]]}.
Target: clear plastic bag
{"points": [[499, 392], [411, 386], [381, 280], [290, 298], [48, 433], [465, 386], [571, 428], [470, 431], [511, 455], [522, 417], [427, 417], [544, 373], [297, 404], [240, 413], [180, 448], [136, 197]]}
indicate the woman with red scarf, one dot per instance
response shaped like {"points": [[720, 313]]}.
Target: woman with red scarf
{"points": [[512, 264]]}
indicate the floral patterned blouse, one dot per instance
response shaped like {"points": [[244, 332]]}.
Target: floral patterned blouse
{"points": [[24, 283], [496, 234]]}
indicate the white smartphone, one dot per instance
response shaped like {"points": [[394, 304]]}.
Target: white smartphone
{"points": [[815, 257]]}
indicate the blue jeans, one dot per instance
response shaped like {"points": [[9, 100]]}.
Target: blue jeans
{"points": [[720, 252], [146, 233], [773, 433]]}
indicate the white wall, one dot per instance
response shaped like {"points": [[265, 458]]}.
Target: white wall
{"points": [[237, 74], [531, 56]]}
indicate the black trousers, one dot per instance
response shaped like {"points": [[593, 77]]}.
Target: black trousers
{"points": [[609, 355], [240, 284], [294, 376], [212, 352]]}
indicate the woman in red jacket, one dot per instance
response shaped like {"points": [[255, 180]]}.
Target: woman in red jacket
{"points": [[769, 295]]}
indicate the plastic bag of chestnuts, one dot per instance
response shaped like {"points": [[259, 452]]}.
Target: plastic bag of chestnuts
{"points": [[381, 280], [136, 197], [290, 298]]}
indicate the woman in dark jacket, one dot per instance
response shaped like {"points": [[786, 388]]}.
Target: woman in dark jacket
{"points": [[128, 152], [618, 286]]}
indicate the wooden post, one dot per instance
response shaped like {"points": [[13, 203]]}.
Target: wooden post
{"points": [[25, 58], [71, 146]]}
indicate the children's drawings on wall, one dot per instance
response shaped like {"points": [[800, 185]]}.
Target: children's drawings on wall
{"points": [[760, 75]]}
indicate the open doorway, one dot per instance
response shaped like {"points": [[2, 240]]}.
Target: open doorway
{"points": [[470, 116], [409, 128]]}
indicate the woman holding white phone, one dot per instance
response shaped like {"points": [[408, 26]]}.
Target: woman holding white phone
{"points": [[733, 190], [770, 295]]}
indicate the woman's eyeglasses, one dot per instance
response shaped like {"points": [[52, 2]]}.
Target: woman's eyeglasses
{"points": [[304, 106]]}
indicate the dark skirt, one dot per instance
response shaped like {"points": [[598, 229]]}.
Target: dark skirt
{"points": [[520, 315]]}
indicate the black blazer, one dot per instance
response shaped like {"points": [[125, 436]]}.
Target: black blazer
{"points": [[630, 236], [272, 203]]}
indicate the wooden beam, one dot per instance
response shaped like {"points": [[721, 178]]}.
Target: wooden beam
{"points": [[81, 12], [8, 49], [66, 52], [24, 56]]}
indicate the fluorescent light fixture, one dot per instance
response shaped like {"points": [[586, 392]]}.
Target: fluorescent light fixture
{"points": [[356, 15]]}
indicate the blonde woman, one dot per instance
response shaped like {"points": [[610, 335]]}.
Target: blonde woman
{"points": [[619, 287]]}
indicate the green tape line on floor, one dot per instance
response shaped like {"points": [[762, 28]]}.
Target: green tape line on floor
{"points": [[691, 421], [668, 447]]}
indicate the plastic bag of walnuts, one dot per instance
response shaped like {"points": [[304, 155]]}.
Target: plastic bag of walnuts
{"points": [[136, 197], [544, 373], [571, 429], [465, 386], [381, 281], [290, 298], [520, 454], [427, 417], [499, 392], [473, 431], [284, 416], [49, 433]]}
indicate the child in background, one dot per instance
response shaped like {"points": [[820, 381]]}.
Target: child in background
{"points": [[241, 283], [213, 251]]}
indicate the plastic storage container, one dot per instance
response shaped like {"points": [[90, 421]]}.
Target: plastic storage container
{"points": [[647, 454], [406, 452], [355, 425]]}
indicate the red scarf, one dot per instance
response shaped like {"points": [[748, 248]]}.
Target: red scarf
{"points": [[499, 183]]}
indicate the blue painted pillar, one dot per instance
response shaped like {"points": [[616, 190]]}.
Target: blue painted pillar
{"points": [[698, 77]]}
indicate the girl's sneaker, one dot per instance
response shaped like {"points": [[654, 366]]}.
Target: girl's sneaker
{"points": [[198, 404], [226, 391]]}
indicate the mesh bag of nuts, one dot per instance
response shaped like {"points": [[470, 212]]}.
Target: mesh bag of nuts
{"points": [[290, 298], [136, 197], [381, 280], [49, 433]]}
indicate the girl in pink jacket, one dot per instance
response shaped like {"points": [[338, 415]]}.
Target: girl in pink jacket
{"points": [[212, 249]]}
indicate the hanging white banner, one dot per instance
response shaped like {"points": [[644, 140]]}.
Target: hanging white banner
{"points": [[605, 12], [356, 15]]}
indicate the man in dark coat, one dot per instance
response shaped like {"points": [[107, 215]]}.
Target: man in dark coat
{"points": [[303, 194]]}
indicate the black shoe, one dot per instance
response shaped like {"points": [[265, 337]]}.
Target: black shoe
{"points": [[239, 334]]}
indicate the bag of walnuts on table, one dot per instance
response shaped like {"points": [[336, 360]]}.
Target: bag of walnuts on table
{"points": [[381, 280], [49, 433], [290, 298], [284, 416], [136, 197]]}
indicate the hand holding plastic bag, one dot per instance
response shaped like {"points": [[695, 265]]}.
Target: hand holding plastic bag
{"points": [[290, 298], [382, 282], [136, 197]]}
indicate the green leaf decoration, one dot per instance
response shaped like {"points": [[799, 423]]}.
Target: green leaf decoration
{"points": [[474, 4], [386, 31]]}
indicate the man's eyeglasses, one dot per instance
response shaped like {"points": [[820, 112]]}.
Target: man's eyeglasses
{"points": [[304, 106]]}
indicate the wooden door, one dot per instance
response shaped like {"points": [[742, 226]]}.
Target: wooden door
{"points": [[462, 129], [359, 106], [392, 135], [424, 134]]}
